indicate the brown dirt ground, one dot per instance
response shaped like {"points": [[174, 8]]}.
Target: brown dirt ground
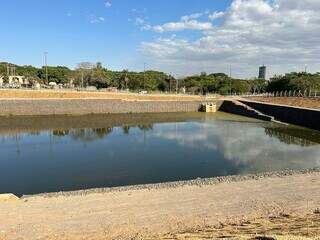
{"points": [[290, 101], [284, 207], [45, 94]]}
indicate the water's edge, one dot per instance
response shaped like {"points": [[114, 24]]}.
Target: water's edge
{"points": [[196, 182]]}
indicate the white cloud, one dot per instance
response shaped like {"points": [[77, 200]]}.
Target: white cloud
{"points": [[216, 15], [107, 4], [192, 16], [141, 22], [95, 19], [188, 22], [283, 34], [183, 25]]}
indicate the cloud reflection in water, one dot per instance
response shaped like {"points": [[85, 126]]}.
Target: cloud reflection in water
{"points": [[249, 146]]}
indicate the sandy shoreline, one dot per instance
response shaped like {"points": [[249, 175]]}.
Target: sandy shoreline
{"points": [[231, 206], [172, 185]]}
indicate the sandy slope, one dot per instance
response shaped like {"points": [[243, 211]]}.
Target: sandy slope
{"points": [[163, 212], [290, 101], [73, 94]]}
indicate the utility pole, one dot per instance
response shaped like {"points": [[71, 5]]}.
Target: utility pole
{"points": [[46, 64], [170, 83], [177, 85], [230, 75], [305, 68], [82, 78]]}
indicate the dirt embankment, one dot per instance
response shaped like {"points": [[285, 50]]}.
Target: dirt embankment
{"points": [[56, 94], [290, 101], [282, 205]]}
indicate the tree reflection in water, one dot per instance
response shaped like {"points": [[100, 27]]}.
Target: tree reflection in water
{"points": [[88, 135], [91, 134], [297, 136]]}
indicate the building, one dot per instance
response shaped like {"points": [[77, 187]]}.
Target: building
{"points": [[262, 72], [17, 80]]}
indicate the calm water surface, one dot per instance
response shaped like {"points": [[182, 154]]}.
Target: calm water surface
{"points": [[69, 153]]}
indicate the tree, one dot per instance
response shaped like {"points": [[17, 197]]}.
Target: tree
{"points": [[294, 81], [57, 74], [124, 79], [258, 85], [83, 73], [99, 78]]}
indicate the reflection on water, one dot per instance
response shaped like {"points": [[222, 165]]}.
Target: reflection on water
{"points": [[297, 136], [43, 160]]}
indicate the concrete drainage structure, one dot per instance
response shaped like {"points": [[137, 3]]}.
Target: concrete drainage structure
{"points": [[305, 117], [208, 107], [239, 108]]}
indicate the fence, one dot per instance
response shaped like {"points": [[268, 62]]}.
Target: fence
{"points": [[294, 93]]}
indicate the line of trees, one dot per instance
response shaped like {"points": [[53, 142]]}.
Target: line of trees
{"points": [[89, 74], [294, 82]]}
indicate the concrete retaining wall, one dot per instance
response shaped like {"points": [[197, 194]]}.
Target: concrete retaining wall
{"points": [[92, 106], [304, 117], [236, 107]]}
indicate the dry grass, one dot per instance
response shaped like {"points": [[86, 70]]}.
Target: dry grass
{"points": [[51, 94], [291, 101], [282, 227]]}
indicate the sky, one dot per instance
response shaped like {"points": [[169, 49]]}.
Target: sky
{"points": [[180, 37]]}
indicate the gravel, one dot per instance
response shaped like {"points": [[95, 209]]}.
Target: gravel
{"points": [[197, 182]]}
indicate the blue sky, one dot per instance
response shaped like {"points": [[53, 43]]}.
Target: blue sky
{"points": [[177, 36], [68, 29]]}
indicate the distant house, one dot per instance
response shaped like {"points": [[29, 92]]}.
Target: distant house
{"points": [[112, 89], [15, 80], [91, 88]]}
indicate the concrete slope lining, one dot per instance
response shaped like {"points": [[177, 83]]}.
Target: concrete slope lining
{"points": [[240, 108], [305, 117]]}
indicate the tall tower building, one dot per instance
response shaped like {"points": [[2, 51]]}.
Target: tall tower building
{"points": [[262, 72]]}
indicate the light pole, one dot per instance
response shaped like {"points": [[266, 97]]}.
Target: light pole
{"points": [[230, 72], [144, 76], [82, 77], [177, 84], [170, 82], [46, 64]]}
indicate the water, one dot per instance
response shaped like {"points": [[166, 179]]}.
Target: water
{"points": [[42, 154]]}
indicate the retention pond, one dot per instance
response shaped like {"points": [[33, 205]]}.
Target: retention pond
{"points": [[50, 154]]}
